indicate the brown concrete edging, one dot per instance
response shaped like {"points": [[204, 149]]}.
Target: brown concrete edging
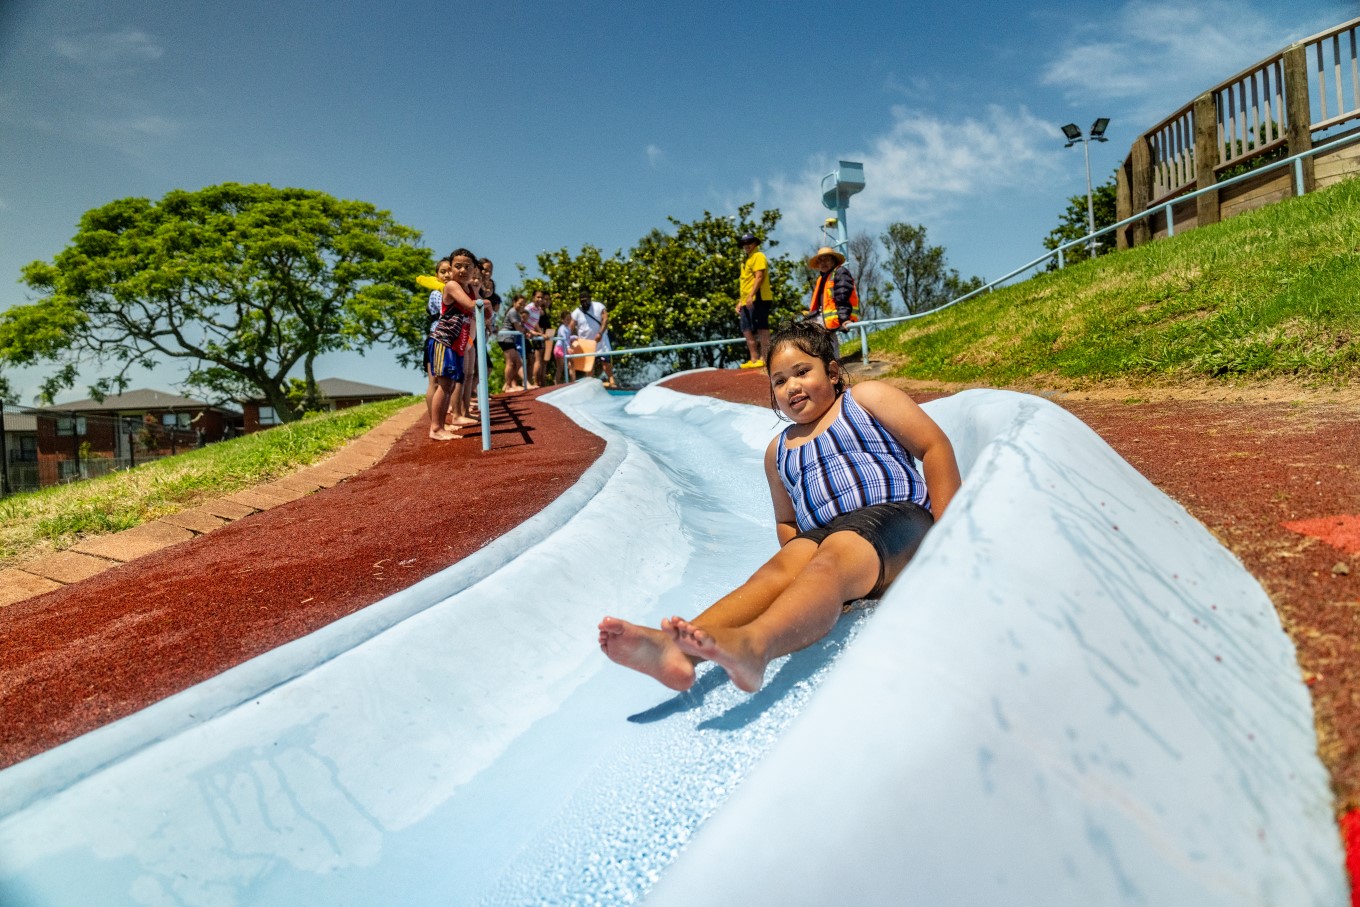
{"points": [[136, 542], [17, 585]]}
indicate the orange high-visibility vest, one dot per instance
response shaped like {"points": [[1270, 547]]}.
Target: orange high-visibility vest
{"points": [[821, 297]]}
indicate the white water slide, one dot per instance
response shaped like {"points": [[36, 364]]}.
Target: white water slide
{"points": [[1073, 696]]}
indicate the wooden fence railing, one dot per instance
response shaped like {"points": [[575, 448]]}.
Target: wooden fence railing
{"points": [[1277, 106]]}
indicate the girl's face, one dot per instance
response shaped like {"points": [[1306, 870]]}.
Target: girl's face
{"points": [[803, 387], [444, 272], [463, 269]]}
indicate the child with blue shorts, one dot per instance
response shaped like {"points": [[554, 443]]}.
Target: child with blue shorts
{"points": [[448, 340]]}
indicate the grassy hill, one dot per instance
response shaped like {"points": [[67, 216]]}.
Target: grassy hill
{"points": [[1271, 294], [55, 518]]}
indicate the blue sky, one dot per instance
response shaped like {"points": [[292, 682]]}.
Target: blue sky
{"points": [[512, 128]]}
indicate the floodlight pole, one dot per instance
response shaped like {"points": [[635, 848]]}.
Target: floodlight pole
{"points": [[1090, 201], [1095, 134]]}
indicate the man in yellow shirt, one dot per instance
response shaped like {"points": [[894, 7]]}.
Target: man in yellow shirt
{"points": [[753, 306]]}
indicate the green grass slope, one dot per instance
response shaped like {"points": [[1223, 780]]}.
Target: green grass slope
{"points": [[1274, 293], [55, 518]]}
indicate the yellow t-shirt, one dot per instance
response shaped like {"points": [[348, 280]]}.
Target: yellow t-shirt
{"points": [[753, 263]]}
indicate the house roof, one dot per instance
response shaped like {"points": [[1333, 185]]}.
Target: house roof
{"points": [[138, 400], [342, 388], [19, 423]]}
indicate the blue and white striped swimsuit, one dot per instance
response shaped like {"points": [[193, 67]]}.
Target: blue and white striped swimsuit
{"points": [[855, 463]]}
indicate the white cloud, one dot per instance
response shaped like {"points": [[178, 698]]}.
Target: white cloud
{"points": [[1160, 55], [654, 155], [925, 166], [105, 49]]}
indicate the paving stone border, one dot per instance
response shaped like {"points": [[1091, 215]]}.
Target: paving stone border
{"points": [[94, 555]]}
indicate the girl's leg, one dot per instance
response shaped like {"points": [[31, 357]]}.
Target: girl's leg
{"points": [[453, 410], [469, 378], [535, 367], [753, 597], [657, 653], [439, 401], [845, 567]]}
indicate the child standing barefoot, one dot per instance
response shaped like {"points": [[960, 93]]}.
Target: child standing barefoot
{"points": [[850, 506], [448, 340]]}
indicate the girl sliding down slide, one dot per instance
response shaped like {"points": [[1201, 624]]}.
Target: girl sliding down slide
{"points": [[850, 509]]}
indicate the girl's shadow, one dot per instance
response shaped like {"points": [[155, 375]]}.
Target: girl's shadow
{"points": [[797, 668]]}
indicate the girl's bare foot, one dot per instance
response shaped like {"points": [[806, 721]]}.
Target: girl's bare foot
{"points": [[462, 421], [444, 435], [729, 648], [653, 652]]}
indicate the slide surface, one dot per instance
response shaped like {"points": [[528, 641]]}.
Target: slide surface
{"points": [[1073, 695]]}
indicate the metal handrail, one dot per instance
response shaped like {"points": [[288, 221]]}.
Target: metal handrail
{"points": [[863, 327]]}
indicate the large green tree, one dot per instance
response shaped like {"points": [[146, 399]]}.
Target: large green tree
{"points": [[247, 283], [1074, 224], [920, 271], [676, 286]]}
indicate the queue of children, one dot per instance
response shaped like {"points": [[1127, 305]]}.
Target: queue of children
{"points": [[526, 332]]}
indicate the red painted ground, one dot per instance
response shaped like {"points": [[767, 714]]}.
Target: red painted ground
{"points": [[1341, 532], [1267, 478]]}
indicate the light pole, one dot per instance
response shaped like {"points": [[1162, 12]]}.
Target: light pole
{"points": [[1097, 134]]}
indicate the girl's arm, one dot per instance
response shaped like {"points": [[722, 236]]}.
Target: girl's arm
{"points": [[786, 521], [456, 297], [919, 434]]}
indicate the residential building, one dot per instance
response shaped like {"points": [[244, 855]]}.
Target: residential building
{"points": [[86, 438], [336, 393]]}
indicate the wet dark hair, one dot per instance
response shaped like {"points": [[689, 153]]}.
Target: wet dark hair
{"points": [[812, 339], [463, 252]]}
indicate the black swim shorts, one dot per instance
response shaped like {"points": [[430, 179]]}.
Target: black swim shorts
{"points": [[755, 317], [895, 530]]}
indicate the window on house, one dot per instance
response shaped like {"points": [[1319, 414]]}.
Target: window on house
{"points": [[69, 425], [268, 416], [175, 420], [27, 451]]}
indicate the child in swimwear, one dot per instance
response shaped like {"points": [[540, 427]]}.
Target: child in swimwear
{"points": [[850, 510], [433, 309], [448, 340]]}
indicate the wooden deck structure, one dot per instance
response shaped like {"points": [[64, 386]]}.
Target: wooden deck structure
{"points": [[1278, 107]]}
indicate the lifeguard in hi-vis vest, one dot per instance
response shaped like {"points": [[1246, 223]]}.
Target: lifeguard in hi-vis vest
{"points": [[835, 301]]}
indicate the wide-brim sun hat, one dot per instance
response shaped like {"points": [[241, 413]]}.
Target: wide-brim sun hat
{"points": [[825, 252]]}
